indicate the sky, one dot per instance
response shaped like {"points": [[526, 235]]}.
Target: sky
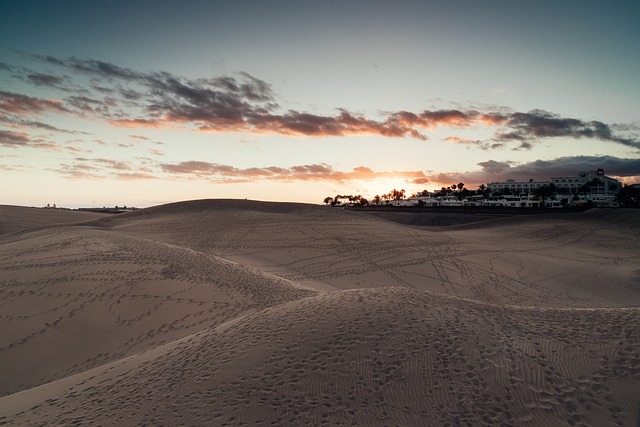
{"points": [[140, 103]]}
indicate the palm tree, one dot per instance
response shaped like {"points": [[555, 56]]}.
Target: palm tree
{"points": [[397, 194], [544, 192]]}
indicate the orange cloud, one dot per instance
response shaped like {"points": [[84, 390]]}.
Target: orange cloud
{"points": [[98, 168], [128, 98], [137, 123], [18, 104], [313, 172], [459, 140], [135, 176], [14, 139]]}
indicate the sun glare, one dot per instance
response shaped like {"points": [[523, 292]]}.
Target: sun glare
{"points": [[380, 186]]}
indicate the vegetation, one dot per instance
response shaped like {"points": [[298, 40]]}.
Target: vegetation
{"points": [[338, 200], [545, 191], [627, 195], [458, 191]]}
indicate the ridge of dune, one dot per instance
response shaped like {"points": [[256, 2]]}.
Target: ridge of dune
{"points": [[197, 208], [375, 357]]}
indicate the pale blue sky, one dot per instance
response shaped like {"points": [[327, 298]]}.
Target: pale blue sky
{"points": [[561, 76]]}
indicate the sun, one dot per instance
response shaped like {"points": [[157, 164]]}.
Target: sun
{"points": [[370, 188]]}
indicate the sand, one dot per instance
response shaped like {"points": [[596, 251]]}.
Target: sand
{"points": [[225, 312], [16, 218]]}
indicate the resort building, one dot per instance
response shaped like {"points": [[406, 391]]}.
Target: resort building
{"points": [[519, 187], [514, 202], [596, 182], [593, 182]]}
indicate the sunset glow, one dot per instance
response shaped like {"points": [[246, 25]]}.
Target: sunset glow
{"points": [[213, 107]]}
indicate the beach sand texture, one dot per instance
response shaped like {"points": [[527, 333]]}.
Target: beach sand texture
{"points": [[234, 312]]}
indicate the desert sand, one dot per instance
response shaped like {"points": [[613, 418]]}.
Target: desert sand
{"points": [[234, 312]]}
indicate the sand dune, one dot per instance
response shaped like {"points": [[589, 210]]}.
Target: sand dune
{"points": [[246, 313], [547, 260], [74, 298], [18, 218]]}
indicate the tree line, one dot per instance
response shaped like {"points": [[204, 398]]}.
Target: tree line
{"points": [[457, 190], [627, 195]]}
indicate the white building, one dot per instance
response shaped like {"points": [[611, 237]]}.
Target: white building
{"points": [[513, 202], [519, 187], [422, 200], [598, 183]]}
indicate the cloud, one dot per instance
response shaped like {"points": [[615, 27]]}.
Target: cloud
{"points": [[15, 103], [246, 104], [465, 141], [155, 151], [22, 123], [537, 124], [543, 170], [82, 102], [451, 118], [137, 123], [101, 168], [75, 149], [107, 163], [45, 80], [42, 125], [134, 176], [626, 127], [48, 145], [95, 67], [78, 171], [14, 139], [483, 145], [563, 166], [313, 172], [226, 104], [494, 168], [16, 122], [345, 123]]}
